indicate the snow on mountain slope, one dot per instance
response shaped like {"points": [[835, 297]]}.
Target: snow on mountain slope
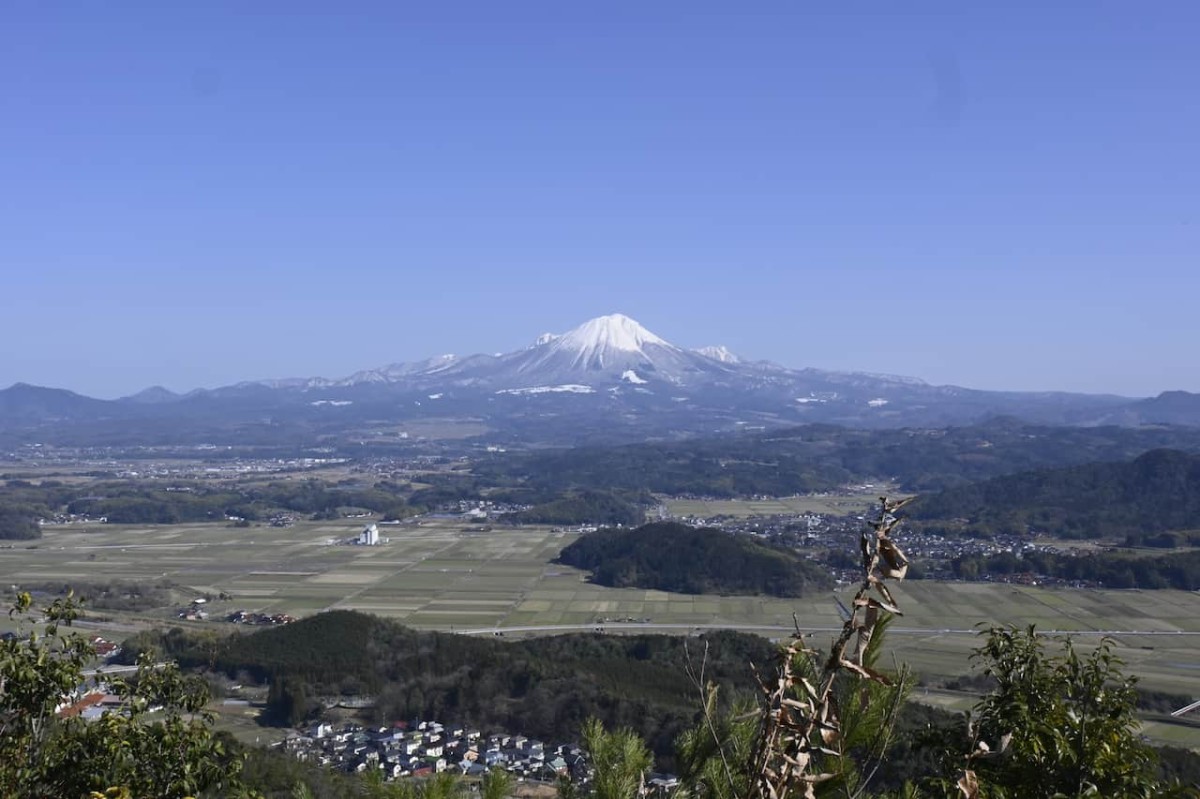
{"points": [[631, 376], [605, 336], [569, 388], [398, 371], [604, 349], [612, 350], [288, 382], [719, 353]]}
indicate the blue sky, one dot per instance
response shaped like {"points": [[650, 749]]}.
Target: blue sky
{"points": [[193, 194]]}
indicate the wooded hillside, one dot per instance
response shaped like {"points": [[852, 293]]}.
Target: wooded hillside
{"points": [[1156, 492], [543, 687], [668, 556]]}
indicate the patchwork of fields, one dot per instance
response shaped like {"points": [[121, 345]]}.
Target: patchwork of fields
{"points": [[445, 574]]}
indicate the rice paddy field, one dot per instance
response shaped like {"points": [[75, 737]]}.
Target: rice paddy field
{"points": [[449, 575]]}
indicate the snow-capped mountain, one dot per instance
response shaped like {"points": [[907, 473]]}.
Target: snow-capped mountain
{"points": [[606, 349], [610, 376], [719, 353], [614, 357], [399, 371]]}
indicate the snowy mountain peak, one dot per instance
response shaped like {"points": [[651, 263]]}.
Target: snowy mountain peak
{"points": [[615, 332], [607, 344], [719, 353], [545, 338]]}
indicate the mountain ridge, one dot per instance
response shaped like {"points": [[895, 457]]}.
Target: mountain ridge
{"points": [[607, 379]]}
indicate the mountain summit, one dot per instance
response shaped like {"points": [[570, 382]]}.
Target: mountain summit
{"points": [[606, 336], [613, 348]]}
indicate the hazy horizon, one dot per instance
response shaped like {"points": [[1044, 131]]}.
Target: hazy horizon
{"points": [[996, 198]]}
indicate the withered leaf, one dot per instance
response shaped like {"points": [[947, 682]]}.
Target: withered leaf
{"points": [[866, 672], [895, 563], [969, 785]]}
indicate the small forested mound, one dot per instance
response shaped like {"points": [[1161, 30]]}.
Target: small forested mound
{"points": [[1158, 491], [543, 687], [668, 556], [596, 507]]}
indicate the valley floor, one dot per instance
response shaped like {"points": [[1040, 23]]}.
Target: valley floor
{"points": [[449, 575]]}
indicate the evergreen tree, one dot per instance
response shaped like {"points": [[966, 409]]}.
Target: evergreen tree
{"points": [[619, 759], [161, 744]]}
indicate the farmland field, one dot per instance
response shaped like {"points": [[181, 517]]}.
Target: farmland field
{"points": [[837, 504], [449, 575]]}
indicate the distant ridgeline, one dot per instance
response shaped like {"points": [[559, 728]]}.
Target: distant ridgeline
{"points": [[542, 687], [1157, 493], [667, 556]]}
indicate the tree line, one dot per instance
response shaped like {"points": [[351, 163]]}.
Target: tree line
{"points": [[132, 502], [1108, 569]]}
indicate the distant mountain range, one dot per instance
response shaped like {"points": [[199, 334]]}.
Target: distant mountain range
{"points": [[608, 379]]}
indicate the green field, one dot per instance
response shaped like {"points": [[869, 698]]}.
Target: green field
{"points": [[447, 575]]}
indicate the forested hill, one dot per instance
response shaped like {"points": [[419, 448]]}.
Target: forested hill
{"points": [[668, 556], [542, 687], [1156, 492], [823, 457]]}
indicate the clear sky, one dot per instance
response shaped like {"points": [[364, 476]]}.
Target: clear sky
{"points": [[997, 195]]}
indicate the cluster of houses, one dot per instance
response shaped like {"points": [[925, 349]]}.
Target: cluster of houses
{"points": [[476, 510], [251, 617], [71, 518], [820, 535], [104, 648], [193, 612], [89, 704], [428, 747]]}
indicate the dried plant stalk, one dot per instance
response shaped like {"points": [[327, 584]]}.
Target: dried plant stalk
{"points": [[800, 719]]}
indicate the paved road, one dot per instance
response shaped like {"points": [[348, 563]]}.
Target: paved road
{"points": [[109, 670], [106, 670], [773, 628]]}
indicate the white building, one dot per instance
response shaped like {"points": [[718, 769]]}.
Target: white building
{"points": [[369, 537]]}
